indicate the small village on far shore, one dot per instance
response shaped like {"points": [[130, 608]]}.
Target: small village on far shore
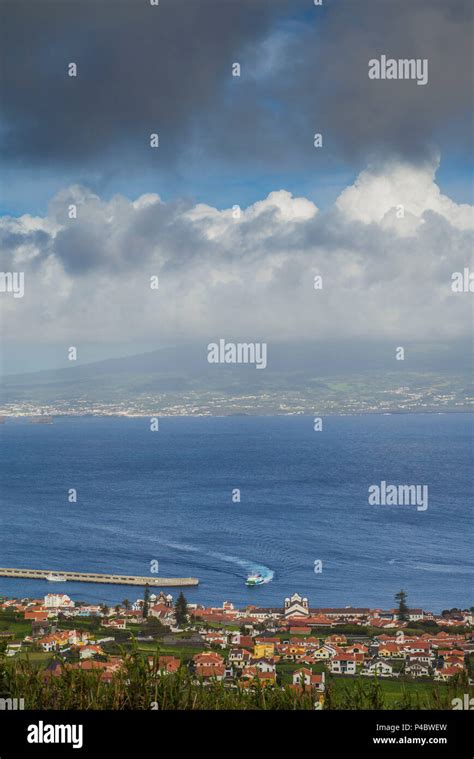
{"points": [[295, 646]]}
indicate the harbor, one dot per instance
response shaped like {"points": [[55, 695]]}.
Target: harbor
{"points": [[60, 576]]}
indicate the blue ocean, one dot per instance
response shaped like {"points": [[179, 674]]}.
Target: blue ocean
{"points": [[167, 496]]}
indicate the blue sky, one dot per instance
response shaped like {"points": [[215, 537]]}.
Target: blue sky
{"points": [[25, 192]]}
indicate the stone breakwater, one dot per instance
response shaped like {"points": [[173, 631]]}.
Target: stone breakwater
{"points": [[42, 574]]}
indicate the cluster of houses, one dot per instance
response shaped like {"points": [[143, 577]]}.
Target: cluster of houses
{"points": [[441, 655], [258, 644], [296, 611]]}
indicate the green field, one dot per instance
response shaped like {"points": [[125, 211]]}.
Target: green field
{"points": [[397, 693], [36, 657], [11, 622]]}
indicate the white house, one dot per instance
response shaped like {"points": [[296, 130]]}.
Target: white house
{"points": [[13, 648], [343, 665], [305, 676], [48, 644], [414, 615], [88, 652], [239, 656], [264, 665], [379, 667], [417, 669], [324, 652], [215, 638], [425, 658]]}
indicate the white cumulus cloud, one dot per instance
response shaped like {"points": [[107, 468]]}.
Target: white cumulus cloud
{"points": [[384, 277]]}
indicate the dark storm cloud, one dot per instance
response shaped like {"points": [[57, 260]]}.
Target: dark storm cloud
{"points": [[398, 116], [320, 84], [141, 69], [168, 69]]}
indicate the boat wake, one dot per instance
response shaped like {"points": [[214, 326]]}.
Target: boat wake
{"points": [[431, 567], [248, 566], [267, 573]]}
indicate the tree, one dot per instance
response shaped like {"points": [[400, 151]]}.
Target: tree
{"points": [[153, 626], [181, 610], [146, 602], [104, 610], [126, 604], [401, 598]]}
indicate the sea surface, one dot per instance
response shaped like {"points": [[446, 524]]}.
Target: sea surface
{"points": [[166, 496]]}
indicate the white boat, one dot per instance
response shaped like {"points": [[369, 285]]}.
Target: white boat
{"points": [[52, 577], [254, 578]]}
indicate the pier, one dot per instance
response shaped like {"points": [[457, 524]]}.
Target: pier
{"points": [[42, 574]]}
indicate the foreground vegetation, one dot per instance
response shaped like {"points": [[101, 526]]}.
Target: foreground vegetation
{"points": [[137, 686]]}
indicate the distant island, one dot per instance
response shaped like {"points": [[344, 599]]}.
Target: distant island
{"points": [[179, 382]]}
